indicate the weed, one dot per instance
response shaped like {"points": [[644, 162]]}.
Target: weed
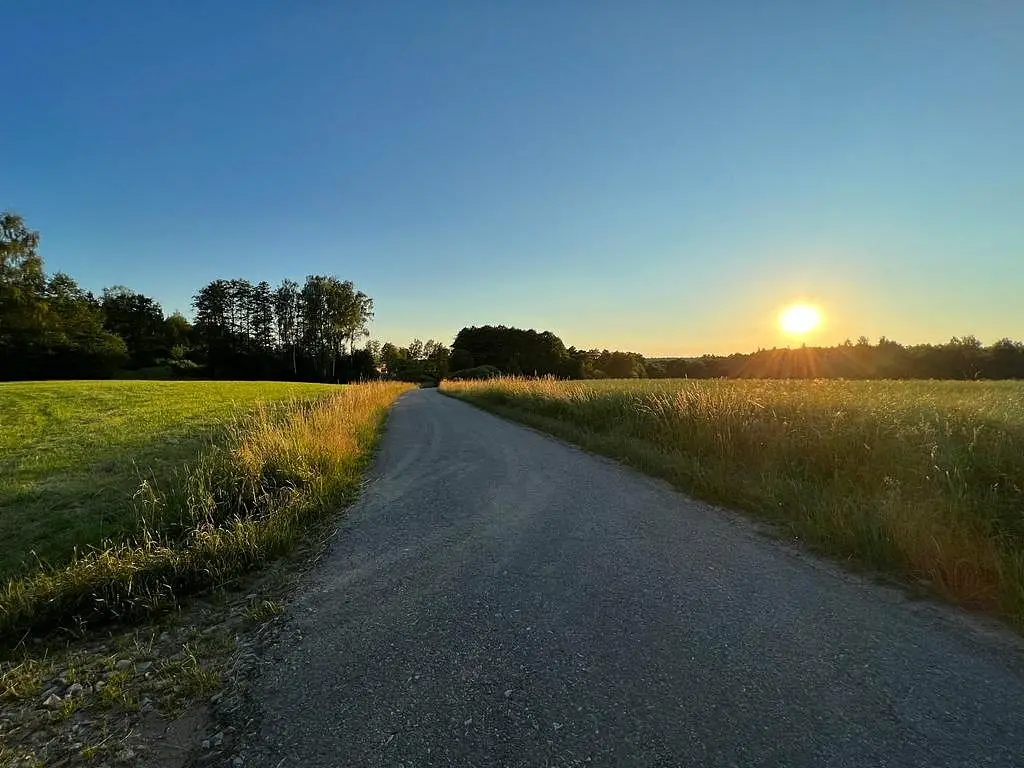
{"points": [[263, 610], [23, 679], [195, 680], [68, 707], [117, 692], [89, 751], [187, 678], [16, 757]]}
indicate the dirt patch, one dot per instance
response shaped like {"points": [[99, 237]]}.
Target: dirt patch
{"points": [[173, 743]]}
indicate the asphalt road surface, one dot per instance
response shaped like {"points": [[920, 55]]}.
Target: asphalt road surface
{"points": [[500, 598]]}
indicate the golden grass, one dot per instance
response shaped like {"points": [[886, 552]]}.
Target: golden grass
{"points": [[239, 504], [920, 479]]}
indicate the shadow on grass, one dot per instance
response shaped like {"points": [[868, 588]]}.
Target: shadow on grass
{"points": [[45, 521]]}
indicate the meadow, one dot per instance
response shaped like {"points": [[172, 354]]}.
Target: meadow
{"points": [[74, 453], [923, 480], [132, 493]]}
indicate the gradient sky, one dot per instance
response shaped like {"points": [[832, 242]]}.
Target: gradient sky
{"points": [[660, 177]]}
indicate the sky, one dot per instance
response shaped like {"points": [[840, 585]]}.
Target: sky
{"points": [[656, 177]]}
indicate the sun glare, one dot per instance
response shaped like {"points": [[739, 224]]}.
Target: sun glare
{"points": [[799, 319]]}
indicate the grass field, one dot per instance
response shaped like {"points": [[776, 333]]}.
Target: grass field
{"points": [[73, 453], [165, 487], [920, 479]]}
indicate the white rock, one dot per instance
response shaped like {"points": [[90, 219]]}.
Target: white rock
{"points": [[53, 701]]}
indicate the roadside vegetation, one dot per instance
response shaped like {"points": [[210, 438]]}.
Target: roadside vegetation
{"points": [[74, 453], [165, 488], [923, 480]]}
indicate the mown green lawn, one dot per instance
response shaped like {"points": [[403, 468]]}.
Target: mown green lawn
{"points": [[73, 453]]}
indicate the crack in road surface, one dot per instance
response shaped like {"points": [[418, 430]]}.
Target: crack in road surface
{"points": [[500, 598]]}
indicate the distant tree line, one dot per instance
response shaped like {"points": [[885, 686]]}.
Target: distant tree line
{"points": [[519, 352], [963, 357], [425, 362], [51, 328], [531, 353]]}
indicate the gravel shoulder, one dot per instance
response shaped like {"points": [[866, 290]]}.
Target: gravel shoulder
{"points": [[498, 597]]}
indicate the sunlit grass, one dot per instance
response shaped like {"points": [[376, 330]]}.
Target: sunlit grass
{"points": [[922, 479], [73, 453], [242, 501]]}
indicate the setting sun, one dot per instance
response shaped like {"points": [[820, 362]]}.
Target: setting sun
{"points": [[800, 319]]}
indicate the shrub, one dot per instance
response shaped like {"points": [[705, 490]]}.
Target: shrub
{"points": [[479, 372]]}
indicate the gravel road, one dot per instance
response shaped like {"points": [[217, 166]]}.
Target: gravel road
{"points": [[500, 598]]}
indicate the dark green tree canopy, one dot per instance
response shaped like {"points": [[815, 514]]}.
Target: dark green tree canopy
{"points": [[137, 319], [22, 281], [513, 350], [308, 331], [49, 327]]}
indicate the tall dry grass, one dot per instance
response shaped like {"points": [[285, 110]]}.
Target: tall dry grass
{"points": [[921, 479], [242, 502]]}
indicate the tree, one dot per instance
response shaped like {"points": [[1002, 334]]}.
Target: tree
{"points": [[76, 343], [237, 311], [1006, 360], [437, 359], [964, 355], [416, 349], [137, 319], [620, 365], [391, 356], [356, 366], [177, 330], [261, 317], [334, 315], [215, 325], [373, 347], [241, 330], [513, 350], [286, 311], [22, 285], [49, 328], [461, 359]]}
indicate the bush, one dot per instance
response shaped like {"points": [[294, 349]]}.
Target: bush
{"points": [[149, 373], [479, 372], [185, 368]]}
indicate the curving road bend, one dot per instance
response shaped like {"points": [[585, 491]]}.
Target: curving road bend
{"points": [[500, 598]]}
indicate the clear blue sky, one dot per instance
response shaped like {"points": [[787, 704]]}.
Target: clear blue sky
{"points": [[660, 177]]}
